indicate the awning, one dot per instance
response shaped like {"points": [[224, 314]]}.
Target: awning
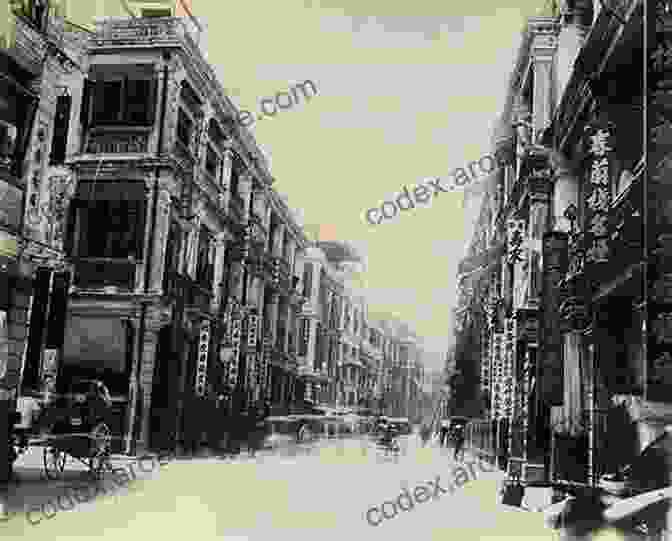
{"points": [[111, 191], [481, 261]]}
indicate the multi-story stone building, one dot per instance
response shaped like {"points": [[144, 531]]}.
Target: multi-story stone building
{"points": [[39, 62], [183, 256], [574, 269]]}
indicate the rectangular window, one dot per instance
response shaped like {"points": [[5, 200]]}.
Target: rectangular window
{"points": [[59, 142], [108, 223], [122, 100], [211, 162], [308, 280], [205, 259], [184, 128]]}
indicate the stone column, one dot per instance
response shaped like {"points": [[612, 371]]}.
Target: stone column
{"points": [[153, 143], [176, 74], [153, 324], [572, 34], [245, 189], [278, 240], [540, 187], [227, 164], [565, 193], [192, 243], [218, 275], [291, 258], [544, 46], [273, 315], [203, 141], [549, 369], [161, 226]]}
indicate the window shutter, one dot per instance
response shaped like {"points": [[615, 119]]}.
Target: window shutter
{"points": [[86, 103], [152, 99], [140, 227], [70, 228]]}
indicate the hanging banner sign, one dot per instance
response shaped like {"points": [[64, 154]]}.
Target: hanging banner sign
{"points": [[235, 355], [497, 341], [515, 238], [600, 143], [252, 331], [202, 362]]}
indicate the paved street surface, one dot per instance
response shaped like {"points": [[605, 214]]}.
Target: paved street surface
{"points": [[319, 492]]}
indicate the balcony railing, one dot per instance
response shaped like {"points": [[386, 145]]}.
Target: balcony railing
{"points": [[99, 273], [198, 297], [280, 337], [237, 207], [291, 343], [117, 141], [182, 152]]}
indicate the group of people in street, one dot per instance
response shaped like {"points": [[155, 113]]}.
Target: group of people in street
{"points": [[235, 428]]}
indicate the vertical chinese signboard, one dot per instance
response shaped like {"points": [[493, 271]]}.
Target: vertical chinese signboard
{"points": [[496, 374], [266, 378], [515, 237], [508, 367], [235, 355], [600, 146], [202, 361], [251, 356]]}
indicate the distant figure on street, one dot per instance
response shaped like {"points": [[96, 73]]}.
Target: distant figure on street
{"points": [[425, 433], [459, 443], [444, 432]]}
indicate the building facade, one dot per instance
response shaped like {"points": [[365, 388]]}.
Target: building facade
{"points": [[569, 259]]}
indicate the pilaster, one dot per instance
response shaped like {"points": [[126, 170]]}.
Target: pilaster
{"points": [[549, 370], [153, 141], [245, 189], [227, 166], [218, 274], [278, 240], [544, 46], [161, 226], [176, 75], [565, 194]]}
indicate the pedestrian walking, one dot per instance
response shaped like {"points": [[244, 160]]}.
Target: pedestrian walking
{"points": [[444, 433], [459, 443], [425, 434], [255, 431]]}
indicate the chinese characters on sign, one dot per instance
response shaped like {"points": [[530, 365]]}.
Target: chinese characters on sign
{"points": [[497, 374], [515, 237], [507, 367], [202, 363], [233, 365], [598, 192]]}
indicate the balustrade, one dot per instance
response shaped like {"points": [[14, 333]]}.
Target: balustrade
{"points": [[117, 142], [98, 273]]}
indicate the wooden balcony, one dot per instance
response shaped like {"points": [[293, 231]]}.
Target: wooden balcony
{"points": [[237, 208], [118, 140], [146, 32], [101, 273]]}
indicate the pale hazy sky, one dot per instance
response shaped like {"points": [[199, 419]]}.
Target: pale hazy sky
{"points": [[406, 90]]}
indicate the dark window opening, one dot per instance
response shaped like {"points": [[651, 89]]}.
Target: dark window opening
{"points": [[211, 162], [205, 262], [110, 224], [157, 12], [59, 142], [120, 100], [308, 280], [184, 128], [235, 175]]}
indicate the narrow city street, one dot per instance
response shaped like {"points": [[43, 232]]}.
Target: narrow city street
{"points": [[321, 491]]}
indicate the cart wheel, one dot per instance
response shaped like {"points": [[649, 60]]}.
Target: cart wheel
{"points": [[54, 462], [101, 444]]}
